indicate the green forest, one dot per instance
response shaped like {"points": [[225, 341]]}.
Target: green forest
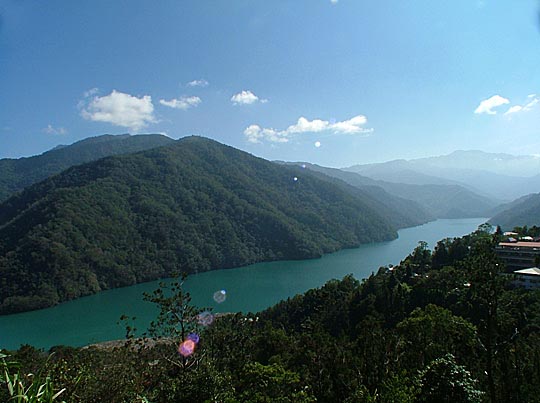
{"points": [[445, 325], [17, 174], [189, 207]]}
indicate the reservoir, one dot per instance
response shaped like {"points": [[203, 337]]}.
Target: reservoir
{"points": [[248, 289]]}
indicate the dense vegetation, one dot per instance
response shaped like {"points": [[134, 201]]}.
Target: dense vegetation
{"points": [[442, 326], [17, 174], [193, 206], [525, 210], [436, 200]]}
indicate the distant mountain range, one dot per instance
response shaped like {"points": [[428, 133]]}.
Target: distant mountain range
{"points": [[499, 176], [194, 205], [446, 200], [17, 174]]}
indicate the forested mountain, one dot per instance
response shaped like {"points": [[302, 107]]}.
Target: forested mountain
{"points": [[193, 206], [443, 326], [16, 174], [500, 176], [523, 211], [402, 212], [440, 201]]}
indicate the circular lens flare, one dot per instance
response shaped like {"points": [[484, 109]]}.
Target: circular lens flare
{"points": [[186, 348]]}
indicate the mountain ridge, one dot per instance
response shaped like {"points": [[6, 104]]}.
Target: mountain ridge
{"points": [[192, 206], [17, 174]]}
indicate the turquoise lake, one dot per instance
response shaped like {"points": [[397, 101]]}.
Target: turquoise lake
{"points": [[249, 289]]}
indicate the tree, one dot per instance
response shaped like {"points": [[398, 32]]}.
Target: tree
{"points": [[433, 331], [272, 384], [177, 323], [487, 285], [444, 381]]}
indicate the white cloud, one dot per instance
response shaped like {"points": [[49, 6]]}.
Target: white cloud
{"points": [[90, 92], [334, 1], [198, 83], [531, 104], [256, 134], [246, 98], [533, 101], [303, 125], [120, 109], [351, 126], [54, 130], [487, 105], [513, 109], [183, 103]]}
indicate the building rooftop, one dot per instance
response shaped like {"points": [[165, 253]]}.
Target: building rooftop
{"points": [[520, 244], [533, 271]]}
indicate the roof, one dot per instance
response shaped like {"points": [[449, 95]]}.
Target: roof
{"points": [[520, 244], [533, 271]]}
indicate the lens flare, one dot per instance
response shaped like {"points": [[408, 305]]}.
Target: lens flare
{"points": [[194, 337], [186, 348], [205, 318], [220, 296]]}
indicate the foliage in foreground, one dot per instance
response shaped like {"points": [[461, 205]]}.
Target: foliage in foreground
{"points": [[441, 326]]}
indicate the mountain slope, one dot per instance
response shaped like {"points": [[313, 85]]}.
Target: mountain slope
{"points": [[402, 212], [16, 174], [521, 212], [193, 206], [440, 201]]}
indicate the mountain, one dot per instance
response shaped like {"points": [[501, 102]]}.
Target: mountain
{"points": [[499, 176], [402, 212], [195, 205], [521, 212], [16, 174], [439, 201]]}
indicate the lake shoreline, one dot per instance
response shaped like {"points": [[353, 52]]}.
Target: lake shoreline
{"points": [[252, 288]]}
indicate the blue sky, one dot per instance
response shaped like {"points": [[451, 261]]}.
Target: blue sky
{"points": [[330, 82]]}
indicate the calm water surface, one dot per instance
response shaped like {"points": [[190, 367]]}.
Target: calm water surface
{"points": [[250, 288]]}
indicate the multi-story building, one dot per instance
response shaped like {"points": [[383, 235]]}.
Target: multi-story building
{"points": [[519, 255]]}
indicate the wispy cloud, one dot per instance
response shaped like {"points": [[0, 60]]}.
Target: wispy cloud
{"points": [[533, 101], [334, 1], [246, 97], [183, 103], [198, 83], [91, 92], [256, 134], [487, 105], [119, 109], [50, 129]]}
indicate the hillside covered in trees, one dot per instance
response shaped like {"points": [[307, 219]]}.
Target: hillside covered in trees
{"points": [[520, 212], [17, 174], [442, 326], [193, 206]]}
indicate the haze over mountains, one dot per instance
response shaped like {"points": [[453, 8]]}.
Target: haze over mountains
{"points": [[112, 211], [446, 200], [500, 176]]}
